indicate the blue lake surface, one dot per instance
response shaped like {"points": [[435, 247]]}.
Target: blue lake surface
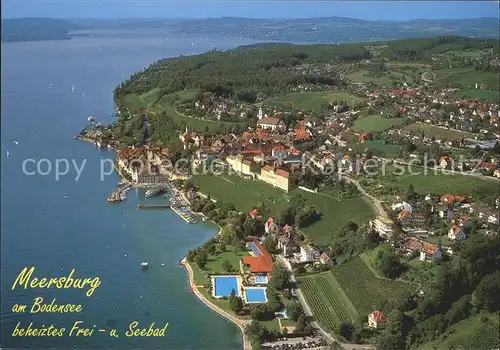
{"points": [[57, 225]]}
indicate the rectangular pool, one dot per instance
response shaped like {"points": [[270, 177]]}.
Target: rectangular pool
{"points": [[223, 285], [256, 295]]}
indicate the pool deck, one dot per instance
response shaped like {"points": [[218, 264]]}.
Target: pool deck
{"points": [[239, 322]]}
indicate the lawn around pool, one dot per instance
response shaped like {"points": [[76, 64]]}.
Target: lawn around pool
{"points": [[376, 123]]}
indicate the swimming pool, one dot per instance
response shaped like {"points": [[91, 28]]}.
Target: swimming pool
{"points": [[254, 248], [256, 295], [223, 285], [261, 279]]}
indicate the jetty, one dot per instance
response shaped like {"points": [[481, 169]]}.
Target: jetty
{"points": [[154, 206], [115, 196]]}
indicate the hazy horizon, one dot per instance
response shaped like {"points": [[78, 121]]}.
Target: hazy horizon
{"points": [[189, 9]]}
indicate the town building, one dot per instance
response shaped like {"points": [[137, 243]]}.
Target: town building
{"points": [[325, 260], [273, 124], [383, 226], [377, 320], [276, 177], [308, 253], [261, 262], [430, 252], [456, 233], [241, 165]]}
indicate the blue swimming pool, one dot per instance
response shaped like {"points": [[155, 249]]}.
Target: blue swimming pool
{"points": [[254, 248], [223, 285], [261, 279], [255, 295]]}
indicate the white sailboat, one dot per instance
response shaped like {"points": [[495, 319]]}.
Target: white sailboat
{"points": [[73, 88], [8, 154]]}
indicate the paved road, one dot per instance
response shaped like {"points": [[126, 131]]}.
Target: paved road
{"points": [[308, 312]]}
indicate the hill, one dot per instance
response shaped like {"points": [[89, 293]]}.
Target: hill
{"points": [[338, 29], [34, 29]]}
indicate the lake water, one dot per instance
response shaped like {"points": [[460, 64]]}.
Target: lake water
{"points": [[60, 225]]}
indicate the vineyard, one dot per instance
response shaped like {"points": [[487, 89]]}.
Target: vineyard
{"points": [[327, 301], [364, 289]]}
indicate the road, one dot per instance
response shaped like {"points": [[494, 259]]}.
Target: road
{"points": [[308, 312], [376, 203]]}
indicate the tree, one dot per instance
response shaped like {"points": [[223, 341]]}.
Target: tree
{"points": [[201, 259], [279, 276], [269, 243], [487, 291], [389, 263], [293, 311], [235, 303], [346, 330], [226, 266], [301, 323]]}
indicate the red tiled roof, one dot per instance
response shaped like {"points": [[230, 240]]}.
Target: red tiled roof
{"points": [[282, 173], [261, 263], [268, 121], [254, 212], [378, 316]]}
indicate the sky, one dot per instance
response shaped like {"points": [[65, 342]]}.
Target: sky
{"points": [[372, 10]]}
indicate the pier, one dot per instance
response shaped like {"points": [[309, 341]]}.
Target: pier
{"points": [[154, 206], [115, 196]]}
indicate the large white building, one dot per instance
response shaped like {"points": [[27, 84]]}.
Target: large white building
{"points": [[308, 253], [383, 226]]}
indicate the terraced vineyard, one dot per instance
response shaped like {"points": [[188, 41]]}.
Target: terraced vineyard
{"points": [[327, 300]]}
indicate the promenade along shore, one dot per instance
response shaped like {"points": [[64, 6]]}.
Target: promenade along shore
{"points": [[238, 321]]}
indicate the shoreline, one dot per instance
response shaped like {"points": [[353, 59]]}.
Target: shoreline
{"points": [[238, 322]]}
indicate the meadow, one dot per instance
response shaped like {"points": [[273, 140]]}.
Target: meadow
{"points": [[438, 132], [311, 101], [328, 302], [376, 123], [246, 194], [466, 78], [487, 95]]}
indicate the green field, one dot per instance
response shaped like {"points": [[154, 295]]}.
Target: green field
{"points": [[437, 132], [469, 334], [376, 123], [364, 289], [329, 304], [311, 101], [440, 183], [377, 145], [364, 76], [488, 95], [466, 78], [246, 194], [336, 214]]}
